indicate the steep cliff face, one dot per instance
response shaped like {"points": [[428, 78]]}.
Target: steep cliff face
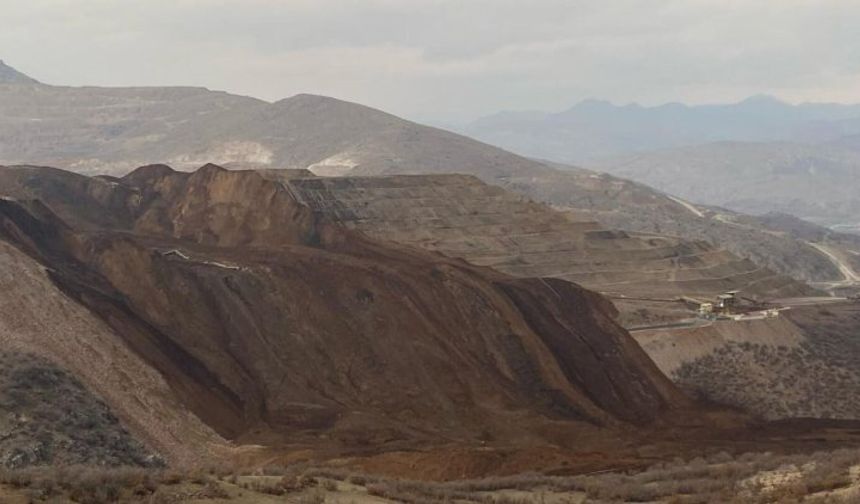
{"points": [[213, 206], [268, 321]]}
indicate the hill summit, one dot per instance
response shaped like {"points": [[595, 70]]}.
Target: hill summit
{"points": [[9, 75]]}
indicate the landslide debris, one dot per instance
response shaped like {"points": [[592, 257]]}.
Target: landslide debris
{"points": [[274, 325]]}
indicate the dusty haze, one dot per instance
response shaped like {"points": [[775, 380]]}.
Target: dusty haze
{"points": [[447, 60]]}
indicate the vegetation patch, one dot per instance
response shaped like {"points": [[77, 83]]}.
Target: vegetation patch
{"points": [[48, 417]]}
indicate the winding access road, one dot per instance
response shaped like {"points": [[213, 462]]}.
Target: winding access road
{"points": [[851, 276]]}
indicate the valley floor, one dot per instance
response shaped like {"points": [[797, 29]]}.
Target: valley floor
{"points": [[820, 477]]}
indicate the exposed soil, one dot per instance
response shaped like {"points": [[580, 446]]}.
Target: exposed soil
{"points": [[254, 330], [460, 216], [277, 328]]}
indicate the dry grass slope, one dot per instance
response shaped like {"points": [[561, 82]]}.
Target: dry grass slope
{"points": [[817, 478], [48, 417], [801, 365]]}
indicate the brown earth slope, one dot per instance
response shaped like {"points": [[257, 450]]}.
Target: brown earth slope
{"points": [[274, 326]]}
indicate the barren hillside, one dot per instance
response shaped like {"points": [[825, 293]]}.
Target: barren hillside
{"points": [[814, 182], [113, 130], [273, 326], [460, 216]]}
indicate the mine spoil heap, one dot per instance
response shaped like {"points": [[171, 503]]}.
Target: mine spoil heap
{"points": [[461, 216]]}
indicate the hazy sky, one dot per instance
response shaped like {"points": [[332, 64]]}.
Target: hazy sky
{"points": [[447, 59]]}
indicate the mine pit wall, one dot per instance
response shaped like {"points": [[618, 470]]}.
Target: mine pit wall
{"points": [[460, 216], [772, 368]]}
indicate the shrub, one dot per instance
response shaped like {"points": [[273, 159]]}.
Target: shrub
{"points": [[213, 490]]}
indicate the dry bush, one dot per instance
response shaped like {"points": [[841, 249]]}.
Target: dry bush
{"points": [[718, 478], [96, 485], [171, 477], [271, 485], [198, 477], [161, 497], [274, 470], [327, 473], [316, 497], [233, 479], [363, 479], [266, 487], [220, 471], [84, 483], [212, 490]]}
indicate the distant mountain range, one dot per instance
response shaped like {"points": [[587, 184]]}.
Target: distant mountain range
{"points": [[820, 183], [595, 129], [757, 156]]}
